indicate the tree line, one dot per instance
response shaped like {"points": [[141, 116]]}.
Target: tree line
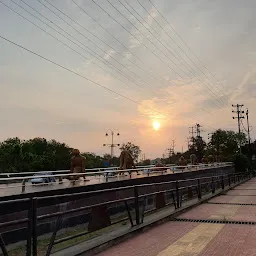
{"points": [[39, 154]]}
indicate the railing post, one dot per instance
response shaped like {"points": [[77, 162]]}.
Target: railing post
{"points": [[34, 225], [23, 186], [199, 189], [213, 186], [222, 182], [229, 182], [177, 194], [29, 230], [137, 207]]}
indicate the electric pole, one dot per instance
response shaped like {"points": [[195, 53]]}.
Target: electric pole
{"points": [[112, 145], [239, 116], [249, 136], [173, 146], [198, 130]]}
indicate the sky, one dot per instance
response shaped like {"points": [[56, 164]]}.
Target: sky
{"points": [[127, 66]]}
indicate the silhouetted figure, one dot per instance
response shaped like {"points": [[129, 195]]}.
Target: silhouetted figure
{"points": [[77, 165], [193, 159], [126, 161]]}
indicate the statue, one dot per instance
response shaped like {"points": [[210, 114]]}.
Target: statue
{"points": [[193, 159], [126, 161]]}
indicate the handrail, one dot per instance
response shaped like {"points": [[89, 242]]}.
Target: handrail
{"points": [[200, 167], [67, 171]]}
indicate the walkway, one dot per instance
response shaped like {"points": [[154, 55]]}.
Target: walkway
{"points": [[226, 226]]}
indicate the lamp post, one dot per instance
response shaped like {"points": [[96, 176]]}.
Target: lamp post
{"points": [[112, 145]]}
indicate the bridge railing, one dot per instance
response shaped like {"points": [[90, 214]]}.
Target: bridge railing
{"points": [[150, 170], [132, 197]]}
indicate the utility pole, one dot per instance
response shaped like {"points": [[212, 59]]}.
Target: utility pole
{"points": [[239, 116], [112, 145], [192, 131], [188, 141], [198, 130], [210, 135], [173, 146], [249, 136]]}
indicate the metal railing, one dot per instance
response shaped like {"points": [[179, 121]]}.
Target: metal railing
{"points": [[133, 199], [150, 170]]}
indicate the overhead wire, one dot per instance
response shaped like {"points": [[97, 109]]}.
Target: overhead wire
{"points": [[178, 57], [171, 68], [69, 47], [97, 56], [121, 64], [171, 52], [88, 48], [178, 35], [104, 42], [161, 27], [77, 74], [86, 58], [80, 75]]}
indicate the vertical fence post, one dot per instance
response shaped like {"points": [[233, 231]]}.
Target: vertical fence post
{"points": [[137, 207], [29, 230], [222, 182], [23, 186], [213, 186], [199, 189], [177, 194], [229, 183], [34, 225]]}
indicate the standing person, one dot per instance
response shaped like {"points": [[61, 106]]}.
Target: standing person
{"points": [[126, 161], [77, 165]]}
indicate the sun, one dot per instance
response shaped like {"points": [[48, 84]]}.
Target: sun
{"points": [[156, 125]]}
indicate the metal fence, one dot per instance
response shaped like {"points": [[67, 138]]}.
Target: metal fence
{"points": [[150, 170], [133, 199]]}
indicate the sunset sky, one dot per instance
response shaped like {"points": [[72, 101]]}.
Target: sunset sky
{"points": [[182, 73]]}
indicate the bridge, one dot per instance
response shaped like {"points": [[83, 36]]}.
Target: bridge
{"points": [[17, 183], [185, 211]]}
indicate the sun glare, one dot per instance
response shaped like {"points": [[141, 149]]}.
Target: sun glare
{"points": [[156, 125]]}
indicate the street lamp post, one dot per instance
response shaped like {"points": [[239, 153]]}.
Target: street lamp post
{"points": [[112, 145]]}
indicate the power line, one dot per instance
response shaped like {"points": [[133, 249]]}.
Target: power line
{"points": [[126, 67], [75, 73], [57, 38], [89, 49], [77, 23], [97, 57], [177, 73], [62, 42], [209, 88], [184, 41], [106, 30]]}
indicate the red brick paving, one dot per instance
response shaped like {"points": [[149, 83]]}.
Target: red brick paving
{"points": [[232, 240], [234, 199], [151, 242]]}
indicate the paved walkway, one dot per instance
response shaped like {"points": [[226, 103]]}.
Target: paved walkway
{"points": [[188, 238]]}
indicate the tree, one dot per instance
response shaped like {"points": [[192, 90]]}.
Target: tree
{"points": [[133, 149], [225, 143], [241, 162], [198, 147]]}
